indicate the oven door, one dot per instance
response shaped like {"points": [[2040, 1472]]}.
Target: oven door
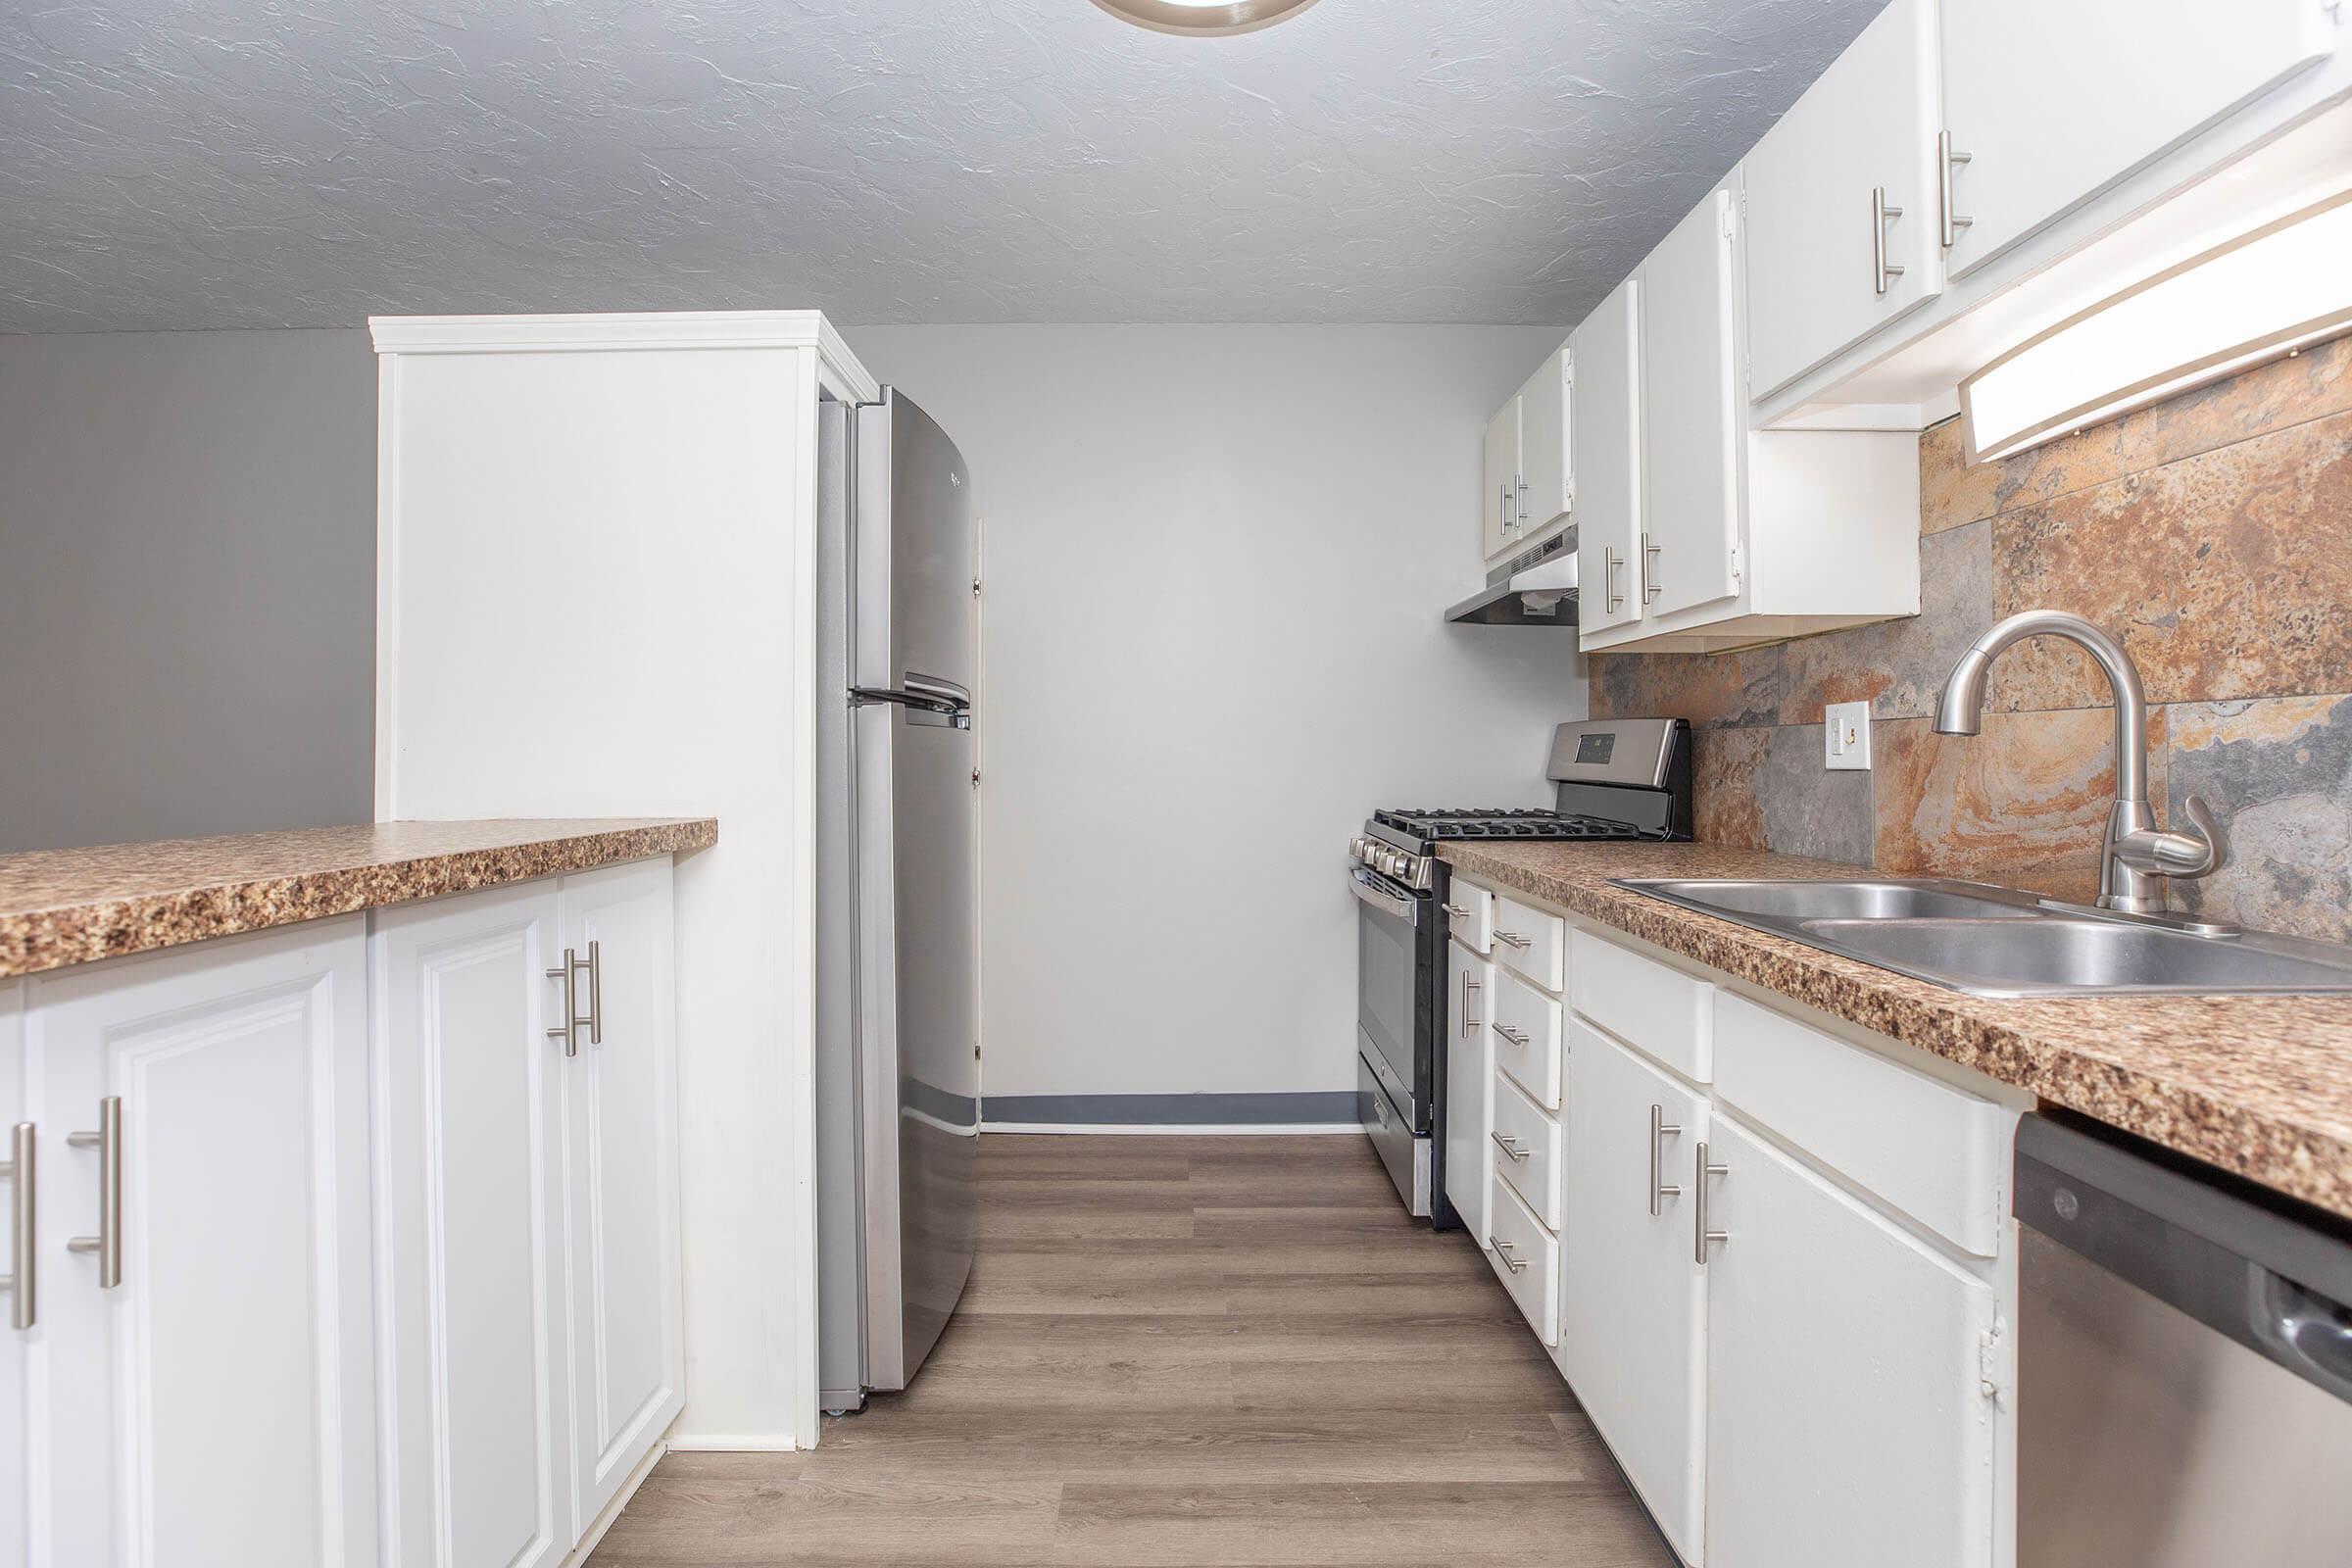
{"points": [[1388, 951]]}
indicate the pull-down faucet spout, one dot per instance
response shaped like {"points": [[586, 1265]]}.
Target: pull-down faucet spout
{"points": [[2134, 854]]}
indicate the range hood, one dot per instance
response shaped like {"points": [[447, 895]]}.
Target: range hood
{"points": [[1535, 587]]}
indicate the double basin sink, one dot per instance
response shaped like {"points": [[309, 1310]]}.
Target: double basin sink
{"points": [[1999, 942]]}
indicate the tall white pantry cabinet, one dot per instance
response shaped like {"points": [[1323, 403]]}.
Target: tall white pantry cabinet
{"points": [[596, 595]]}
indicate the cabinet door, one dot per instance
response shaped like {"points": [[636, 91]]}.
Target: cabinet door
{"points": [[620, 1179], [1544, 445], [1500, 532], [1694, 419], [16, 1546], [1824, 191], [478, 1463], [1846, 1425], [1606, 418], [2104, 87], [217, 1404], [1632, 1325], [1469, 1082]]}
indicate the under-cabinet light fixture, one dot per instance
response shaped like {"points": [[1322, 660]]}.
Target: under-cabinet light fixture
{"points": [[1204, 18], [2260, 297]]}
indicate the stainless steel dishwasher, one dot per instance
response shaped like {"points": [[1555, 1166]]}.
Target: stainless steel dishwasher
{"points": [[2184, 1365]]}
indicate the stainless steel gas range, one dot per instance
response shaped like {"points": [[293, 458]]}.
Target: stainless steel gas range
{"points": [[1612, 781]]}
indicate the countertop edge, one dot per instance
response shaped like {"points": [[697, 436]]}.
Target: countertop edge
{"points": [[39, 940], [2305, 1164]]}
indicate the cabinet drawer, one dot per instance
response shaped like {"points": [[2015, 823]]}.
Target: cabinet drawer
{"points": [[1931, 1150], [1527, 1151], [1530, 940], [1470, 915], [1525, 1038], [1660, 1011], [1527, 1256]]}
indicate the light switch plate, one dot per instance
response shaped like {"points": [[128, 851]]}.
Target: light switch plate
{"points": [[1845, 737]]}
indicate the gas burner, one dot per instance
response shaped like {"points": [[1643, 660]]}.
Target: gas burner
{"points": [[1508, 823]]}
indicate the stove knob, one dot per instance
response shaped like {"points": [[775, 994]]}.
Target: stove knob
{"points": [[1391, 863], [1355, 848]]}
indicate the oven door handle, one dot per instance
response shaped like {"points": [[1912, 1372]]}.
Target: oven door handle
{"points": [[1379, 896]]}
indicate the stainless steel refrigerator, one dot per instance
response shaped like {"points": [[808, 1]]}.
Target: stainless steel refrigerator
{"points": [[898, 1032]]}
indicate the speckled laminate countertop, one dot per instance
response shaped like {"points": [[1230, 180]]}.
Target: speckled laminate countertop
{"points": [[61, 907], [2260, 1086]]}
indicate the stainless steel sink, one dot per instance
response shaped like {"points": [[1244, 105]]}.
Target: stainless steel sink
{"points": [[1999, 941]]}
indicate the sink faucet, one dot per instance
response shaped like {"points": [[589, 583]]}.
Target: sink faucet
{"points": [[2134, 855]]}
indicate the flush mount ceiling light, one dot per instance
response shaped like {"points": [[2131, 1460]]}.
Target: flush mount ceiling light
{"points": [[2260, 297], [1204, 18]]}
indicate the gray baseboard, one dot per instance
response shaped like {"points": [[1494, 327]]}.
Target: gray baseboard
{"points": [[1303, 1107]]}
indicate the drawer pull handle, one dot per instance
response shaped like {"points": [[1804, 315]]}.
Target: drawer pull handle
{"points": [[1509, 1146], [1457, 910], [1660, 1129], [1700, 1235], [19, 1281], [107, 1243], [1512, 937], [1502, 1250], [1510, 1034]]}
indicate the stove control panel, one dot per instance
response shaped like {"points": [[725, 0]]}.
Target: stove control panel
{"points": [[1416, 871]]}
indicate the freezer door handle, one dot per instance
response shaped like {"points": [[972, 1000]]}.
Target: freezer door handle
{"points": [[926, 699]]}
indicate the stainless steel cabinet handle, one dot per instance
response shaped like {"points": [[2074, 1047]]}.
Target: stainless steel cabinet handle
{"points": [[1660, 1129], [1610, 561], [19, 1280], [1700, 1235], [1519, 505], [1502, 1250], [107, 1243], [596, 993], [1945, 161], [573, 1019], [1509, 1146], [1511, 937], [1505, 507], [1469, 994], [1457, 910], [1650, 570], [1880, 216], [1510, 1034]]}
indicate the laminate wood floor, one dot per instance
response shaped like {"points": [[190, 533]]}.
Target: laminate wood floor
{"points": [[1186, 1351]]}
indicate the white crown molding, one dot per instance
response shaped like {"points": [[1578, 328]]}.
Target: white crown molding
{"points": [[624, 330]]}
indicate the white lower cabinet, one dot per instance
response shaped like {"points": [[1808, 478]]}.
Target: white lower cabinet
{"points": [[1822, 1385], [339, 1256], [620, 1180], [202, 1374], [1469, 1085], [1633, 1318], [529, 1204], [1849, 1424], [469, 1116]]}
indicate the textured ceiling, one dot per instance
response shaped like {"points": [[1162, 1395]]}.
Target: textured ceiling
{"points": [[303, 163]]}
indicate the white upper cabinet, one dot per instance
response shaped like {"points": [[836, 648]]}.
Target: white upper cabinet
{"points": [[205, 1374], [1841, 214], [1529, 481], [1846, 1419], [1693, 421], [2050, 102], [1547, 471], [1498, 531], [1606, 418]]}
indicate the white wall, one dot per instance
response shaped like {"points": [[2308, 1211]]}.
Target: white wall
{"points": [[1215, 558], [187, 569]]}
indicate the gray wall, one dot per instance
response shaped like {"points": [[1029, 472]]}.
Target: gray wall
{"points": [[1210, 645], [187, 569]]}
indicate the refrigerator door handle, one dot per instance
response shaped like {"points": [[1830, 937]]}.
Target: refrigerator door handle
{"points": [[925, 698]]}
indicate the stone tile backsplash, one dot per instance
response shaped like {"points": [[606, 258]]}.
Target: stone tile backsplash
{"points": [[2212, 534]]}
